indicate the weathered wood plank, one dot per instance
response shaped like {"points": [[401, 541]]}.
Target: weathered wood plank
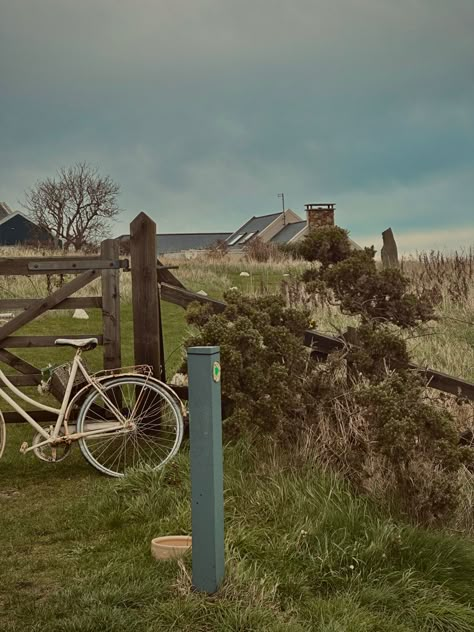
{"points": [[42, 265], [322, 345], [23, 342], [165, 276], [44, 305], [446, 383], [183, 297], [23, 380], [111, 307], [41, 416], [60, 266], [145, 297], [79, 302], [162, 343], [19, 364]]}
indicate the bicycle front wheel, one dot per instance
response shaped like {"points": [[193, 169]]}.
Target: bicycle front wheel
{"points": [[131, 422]]}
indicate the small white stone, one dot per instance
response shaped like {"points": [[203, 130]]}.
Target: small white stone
{"points": [[286, 274], [202, 293], [244, 274], [233, 288], [80, 313]]}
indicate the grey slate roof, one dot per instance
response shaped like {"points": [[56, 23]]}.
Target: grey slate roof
{"points": [[176, 242], [253, 225], [287, 232]]}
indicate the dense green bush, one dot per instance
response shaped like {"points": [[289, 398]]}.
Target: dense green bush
{"points": [[328, 245], [364, 409], [376, 295], [418, 443], [263, 358]]}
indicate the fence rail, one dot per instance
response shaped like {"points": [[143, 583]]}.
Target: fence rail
{"points": [[151, 282], [106, 267], [321, 344]]}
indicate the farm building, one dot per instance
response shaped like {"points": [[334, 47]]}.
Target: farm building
{"points": [[284, 227], [178, 243], [16, 228]]}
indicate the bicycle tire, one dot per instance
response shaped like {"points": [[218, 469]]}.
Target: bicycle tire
{"points": [[150, 438], [3, 434]]}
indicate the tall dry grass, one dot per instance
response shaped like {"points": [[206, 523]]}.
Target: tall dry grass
{"points": [[448, 343]]}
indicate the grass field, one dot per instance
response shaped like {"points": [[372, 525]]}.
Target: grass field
{"points": [[302, 552]]}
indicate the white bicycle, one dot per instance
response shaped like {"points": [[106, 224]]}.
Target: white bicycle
{"points": [[121, 419]]}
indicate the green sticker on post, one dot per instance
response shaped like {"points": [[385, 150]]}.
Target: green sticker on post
{"points": [[216, 372]]}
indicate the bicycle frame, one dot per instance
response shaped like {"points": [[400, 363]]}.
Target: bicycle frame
{"points": [[60, 412]]}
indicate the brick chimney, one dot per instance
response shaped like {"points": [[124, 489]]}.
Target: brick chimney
{"points": [[318, 215]]}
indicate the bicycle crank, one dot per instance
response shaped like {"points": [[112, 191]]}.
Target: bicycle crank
{"points": [[49, 452]]}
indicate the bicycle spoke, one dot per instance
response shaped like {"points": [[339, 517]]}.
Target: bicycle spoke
{"points": [[151, 431]]}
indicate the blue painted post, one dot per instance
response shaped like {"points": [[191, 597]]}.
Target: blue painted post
{"points": [[205, 426]]}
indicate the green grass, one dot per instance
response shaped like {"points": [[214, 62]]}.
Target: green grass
{"points": [[302, 553]]}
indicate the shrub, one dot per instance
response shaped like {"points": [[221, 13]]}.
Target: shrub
{"points": [[374, 351], [217, 250], [329, 245], [363, 411], [376, 295], [419, 444], [261, 251], [263, 358]]}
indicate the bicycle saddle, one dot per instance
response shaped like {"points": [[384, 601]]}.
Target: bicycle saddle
{"points": [[86, 344]]}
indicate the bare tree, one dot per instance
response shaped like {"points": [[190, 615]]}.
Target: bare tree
{"points": [[76, 207]]}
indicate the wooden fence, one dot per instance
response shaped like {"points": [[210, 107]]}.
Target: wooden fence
{"points": [[86, 269], [173, 291], [151, 283]]}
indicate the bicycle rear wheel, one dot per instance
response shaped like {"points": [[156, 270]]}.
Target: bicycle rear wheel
{"points": [[3, 434], [150, 425]]}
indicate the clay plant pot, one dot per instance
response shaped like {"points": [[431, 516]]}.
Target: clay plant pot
{"points": [[170, 547]]}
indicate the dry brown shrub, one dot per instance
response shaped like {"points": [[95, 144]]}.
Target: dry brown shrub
{"points": [[257, 250]]}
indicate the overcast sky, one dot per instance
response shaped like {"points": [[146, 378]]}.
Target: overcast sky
{"points": [[204, 110]]}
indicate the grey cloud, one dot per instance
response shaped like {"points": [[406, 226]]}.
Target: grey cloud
{"points": [[216, 105]]}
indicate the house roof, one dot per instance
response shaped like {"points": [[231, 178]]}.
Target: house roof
{"points": [[288, 232], [253, 225], [176, 242], [4, 210], [7, 218]]}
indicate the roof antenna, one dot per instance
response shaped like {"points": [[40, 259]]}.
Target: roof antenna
{"points": [[282, 196]]}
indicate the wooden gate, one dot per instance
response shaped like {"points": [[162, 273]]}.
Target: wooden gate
{"points": [[105, 266]]}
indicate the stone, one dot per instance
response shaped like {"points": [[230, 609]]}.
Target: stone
{"points": [[202, 293], [244, 274], [81, 314]]}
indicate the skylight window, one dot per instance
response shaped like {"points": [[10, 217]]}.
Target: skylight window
{"points": [[247, 237], [236, 239]]}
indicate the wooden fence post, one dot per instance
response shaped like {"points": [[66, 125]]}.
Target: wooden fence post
{"points": [[145, 294], [111, 307]]}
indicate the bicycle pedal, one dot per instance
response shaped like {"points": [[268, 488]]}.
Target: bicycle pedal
{"points": [[23, 447]]}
